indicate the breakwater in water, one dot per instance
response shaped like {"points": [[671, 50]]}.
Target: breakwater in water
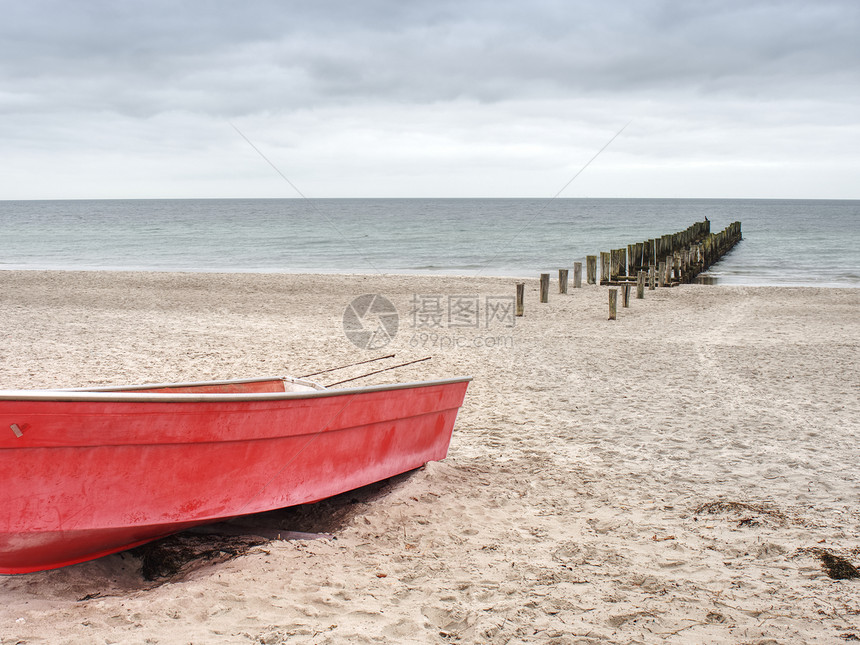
{"points": [[676, 258], [666, 261]]}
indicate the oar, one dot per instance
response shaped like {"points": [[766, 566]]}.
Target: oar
{"points": [[334, 369], [393, 367]]}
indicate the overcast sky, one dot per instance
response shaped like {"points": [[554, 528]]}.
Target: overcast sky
{"points": [[466, 98]]}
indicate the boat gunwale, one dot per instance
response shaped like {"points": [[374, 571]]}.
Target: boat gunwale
{"points": [[154, 386], [126, 396]]}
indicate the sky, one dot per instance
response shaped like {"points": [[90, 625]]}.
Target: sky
{"points": [[468, 98]]}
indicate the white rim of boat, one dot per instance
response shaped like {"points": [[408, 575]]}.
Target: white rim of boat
{"points": [[95, 395], [152, 386]]}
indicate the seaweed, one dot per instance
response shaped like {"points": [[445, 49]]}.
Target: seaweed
{"points": [[753, 512], [836, 566], [167, 557]]}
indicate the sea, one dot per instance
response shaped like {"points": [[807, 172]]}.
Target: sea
{"points": [[785, 242]]}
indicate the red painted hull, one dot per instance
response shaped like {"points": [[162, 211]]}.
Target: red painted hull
{"points": [[85, 474]]}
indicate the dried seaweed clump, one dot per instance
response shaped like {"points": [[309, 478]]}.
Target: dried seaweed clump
{"points": [[752, 513], [836, 566], [166, 557]]}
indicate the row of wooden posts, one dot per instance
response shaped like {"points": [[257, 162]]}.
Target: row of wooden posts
{"points": [[684, 256]]}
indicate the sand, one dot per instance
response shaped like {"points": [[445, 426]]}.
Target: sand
{"points": [[666, 477]]}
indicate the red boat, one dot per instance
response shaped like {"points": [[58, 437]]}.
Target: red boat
{"points": [[88, 473]]}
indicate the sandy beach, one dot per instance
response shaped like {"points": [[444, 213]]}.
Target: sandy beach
{"points": [[671, 476]]}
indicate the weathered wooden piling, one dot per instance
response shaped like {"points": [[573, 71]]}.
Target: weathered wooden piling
{"points": [[668, 260], [624, 264], [716, 245], [604, 267], [676, 257], [521, 296], [634, 260], [617, 264]]}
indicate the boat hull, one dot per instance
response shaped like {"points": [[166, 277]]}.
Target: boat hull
{"points": [[92, 474]]}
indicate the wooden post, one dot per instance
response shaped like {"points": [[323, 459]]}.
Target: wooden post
{"points": [[613, 303], [614, 264], [591, 268], [577, 275], [544, 287], [617, 263], [521, 293], [668, 277], [661, 275], [652, 277], [625, 295], [605, 257], [640, 285], [562, 280]]}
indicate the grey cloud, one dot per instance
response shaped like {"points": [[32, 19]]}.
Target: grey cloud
{"points": [[229, 58], [445, 94]]}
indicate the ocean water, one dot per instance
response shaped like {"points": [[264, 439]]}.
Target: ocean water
{"points": [[786, 242]]}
